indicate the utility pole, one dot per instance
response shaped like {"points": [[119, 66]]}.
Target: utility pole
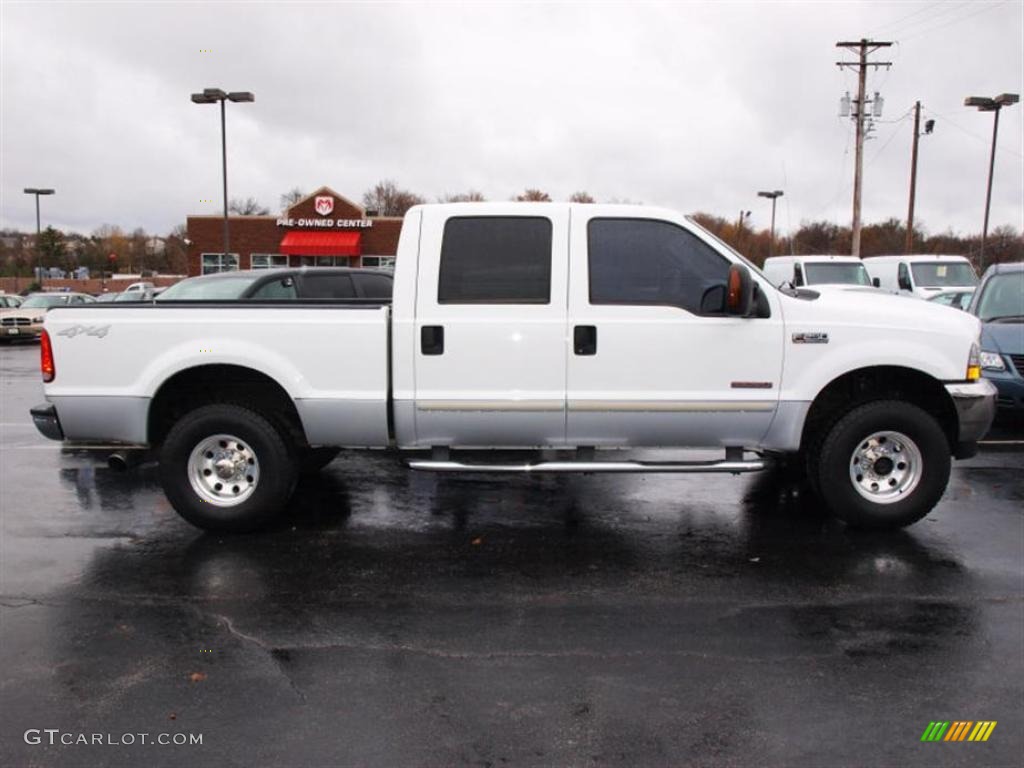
{"points": [[864, 47], [928, 125]]}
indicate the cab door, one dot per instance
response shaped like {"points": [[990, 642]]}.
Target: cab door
{"points": [[655, 360], [490, 327]]}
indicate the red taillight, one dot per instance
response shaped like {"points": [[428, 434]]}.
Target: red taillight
{"points": [[46, 358]]}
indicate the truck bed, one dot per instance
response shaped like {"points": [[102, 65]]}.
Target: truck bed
{"points": [[330, 357]]}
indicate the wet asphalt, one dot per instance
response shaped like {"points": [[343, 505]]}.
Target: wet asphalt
{"points": [[400, 619]]}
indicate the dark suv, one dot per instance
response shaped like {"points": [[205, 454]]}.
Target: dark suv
{"points": [[999, 304], [284, 284]]}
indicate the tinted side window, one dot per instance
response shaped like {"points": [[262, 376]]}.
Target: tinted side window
{"points": [[641, 261], [327, 286], [374, 286], [496, 260], [281, 288]]}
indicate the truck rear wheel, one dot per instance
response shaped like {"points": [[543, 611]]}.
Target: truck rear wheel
{"points": [[226, 468], [885, 464]]}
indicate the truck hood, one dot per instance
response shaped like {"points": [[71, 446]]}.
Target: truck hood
{"points": [[875, 308], [1005, 338]]}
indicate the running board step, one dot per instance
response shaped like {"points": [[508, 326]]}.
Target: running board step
{"points": [[736, 467]]}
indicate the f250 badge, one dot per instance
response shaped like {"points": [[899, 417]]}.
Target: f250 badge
{"points": [[89, 330], [810, 338]]}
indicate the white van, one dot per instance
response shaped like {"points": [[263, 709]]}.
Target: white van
{"points": [[816, 270], [922, 276]]}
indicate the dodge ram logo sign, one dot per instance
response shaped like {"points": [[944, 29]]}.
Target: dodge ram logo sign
{"points": [[324, 205]]}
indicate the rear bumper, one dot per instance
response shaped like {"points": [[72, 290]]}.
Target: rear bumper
{"points": [[46, 421], [975, 405]]}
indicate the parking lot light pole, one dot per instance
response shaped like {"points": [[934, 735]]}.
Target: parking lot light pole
{"points": [[985, 104], [773, 196], [37, 192], [213, 96]]}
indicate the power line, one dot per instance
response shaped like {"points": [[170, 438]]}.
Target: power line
{"points": [[984, 140], [901, 19], [983, 9], [900, 28]]}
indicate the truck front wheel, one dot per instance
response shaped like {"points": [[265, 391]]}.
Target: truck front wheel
{"points": [[226, 468], [884, 464]]}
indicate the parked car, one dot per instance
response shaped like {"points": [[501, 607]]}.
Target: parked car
{"points": [[923, 275], [144, 290], [958, 299], [801, 271], [524, 326], [284, 284], [999, 304], [105, 298], [10, 301], [26, 322]]}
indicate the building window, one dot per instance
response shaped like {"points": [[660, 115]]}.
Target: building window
{"points": [[645, 261], [495, 260], [379, 262], [218, 262], [268, 261], [320, 261]]}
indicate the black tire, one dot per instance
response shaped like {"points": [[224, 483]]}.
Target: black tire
{"points": [[312, 460], [832, 465], [275, 461]]}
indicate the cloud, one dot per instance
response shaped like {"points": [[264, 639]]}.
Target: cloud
{"points": [[691, 106]]}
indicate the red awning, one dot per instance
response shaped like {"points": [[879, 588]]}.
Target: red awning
{"points": [[321, 244]]}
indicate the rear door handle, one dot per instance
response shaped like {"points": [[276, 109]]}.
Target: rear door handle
{"points": [[432, 339], [584, 340]]}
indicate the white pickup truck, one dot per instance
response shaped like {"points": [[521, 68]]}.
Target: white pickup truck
{"points": [[552, 329]]}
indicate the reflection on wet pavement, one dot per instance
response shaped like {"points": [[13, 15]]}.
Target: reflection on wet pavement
{"points": [[409, 619]]}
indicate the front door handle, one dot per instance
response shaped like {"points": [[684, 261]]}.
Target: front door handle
{"points": [[584, 340], [432, 339]]}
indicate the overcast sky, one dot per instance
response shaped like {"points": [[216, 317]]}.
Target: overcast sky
{"points": [[693, 106]]}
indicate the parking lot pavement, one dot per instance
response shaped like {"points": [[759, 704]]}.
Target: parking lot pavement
{"points": [[403, 619]]}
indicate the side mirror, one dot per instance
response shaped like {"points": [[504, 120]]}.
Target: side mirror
{"points": [[739, 292], [876, 282]]}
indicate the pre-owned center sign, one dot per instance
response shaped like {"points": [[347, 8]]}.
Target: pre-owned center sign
{"points": [[327, 223]]}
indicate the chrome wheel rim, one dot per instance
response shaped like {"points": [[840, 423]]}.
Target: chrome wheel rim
{"points": [[223, 470], [886, 467]]}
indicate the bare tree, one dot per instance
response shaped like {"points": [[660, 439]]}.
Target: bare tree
{"points": [[463, 197], [248, 207], [533, 196], [388, 200], [291, 197], [581, 197], [175, 251]]}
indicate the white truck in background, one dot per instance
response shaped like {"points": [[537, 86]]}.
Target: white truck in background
{"points": [[801, 271], [531, 326], [922, 276]]}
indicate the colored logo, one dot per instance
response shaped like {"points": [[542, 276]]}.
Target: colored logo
{"points": [[324, 204], [958, 730]]}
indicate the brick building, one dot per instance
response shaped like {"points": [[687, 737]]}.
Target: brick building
{"points": [[321, 230]]}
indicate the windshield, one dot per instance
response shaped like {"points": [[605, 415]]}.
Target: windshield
{"points": [[836, 272], [46, 301], [1002, 296], [209, 289], [938, 274]]}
